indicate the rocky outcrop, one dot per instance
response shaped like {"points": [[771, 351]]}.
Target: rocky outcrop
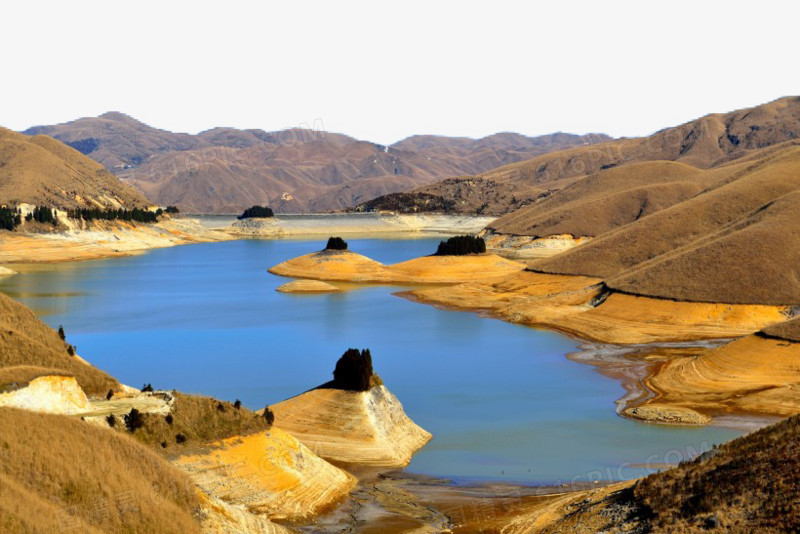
{"points": [[668, 415], [307, 286], [269, 473], [527, 247], [356, 427], [50, 394]]}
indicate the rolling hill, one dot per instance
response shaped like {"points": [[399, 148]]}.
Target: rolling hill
{"points": [[226, 170], [735, 242], [705, 143], [42, 171]]}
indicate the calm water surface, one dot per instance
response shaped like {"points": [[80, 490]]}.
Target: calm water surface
{"points": [[501, 400]]}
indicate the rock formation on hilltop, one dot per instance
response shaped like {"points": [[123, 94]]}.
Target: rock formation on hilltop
{"points": [[353, 419]]}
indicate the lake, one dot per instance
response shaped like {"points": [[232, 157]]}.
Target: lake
{"points": [[502, 400]]}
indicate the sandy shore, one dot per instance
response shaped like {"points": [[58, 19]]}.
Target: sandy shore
{"points": [[108, 240]]}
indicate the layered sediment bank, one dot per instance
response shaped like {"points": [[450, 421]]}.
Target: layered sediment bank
{"points": [[582, 306], [103, 240], [353, 427], [269, 473], [307, 286], [755, 374], [523, 247]]}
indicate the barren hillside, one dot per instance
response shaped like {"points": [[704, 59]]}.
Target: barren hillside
{"points": [[226, 170], [40, 170], [704, 143]]}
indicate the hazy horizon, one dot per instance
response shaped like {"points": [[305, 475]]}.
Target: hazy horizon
{"points": [[388, 71]]}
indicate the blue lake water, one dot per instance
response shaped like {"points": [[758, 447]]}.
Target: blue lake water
{"points": [[502, 400]]}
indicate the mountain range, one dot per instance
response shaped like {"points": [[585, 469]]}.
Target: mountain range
{"points": [[224, 170]]}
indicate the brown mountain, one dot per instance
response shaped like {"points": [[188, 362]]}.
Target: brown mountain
{"points": [[40, 170], [225, 170], [705, 143]]}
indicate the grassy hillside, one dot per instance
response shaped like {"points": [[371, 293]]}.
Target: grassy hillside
{"points": [[606, 200], [704, 143], [59, 474], [30, 349], [747, 485], [737, 241], [42, 171], [227, 170]]}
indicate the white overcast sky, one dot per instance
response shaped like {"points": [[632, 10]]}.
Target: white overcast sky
{"points": [[385, 70]]}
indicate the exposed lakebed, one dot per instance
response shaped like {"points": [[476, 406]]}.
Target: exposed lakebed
{"points": [[502, 401]]}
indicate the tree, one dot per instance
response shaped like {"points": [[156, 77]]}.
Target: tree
{"points": [[269, 416], [134, 420], [168, 418], [461, 245], [172, 210], [353, 371], [336, 243], [261, 212], [147, 388], [180, 438], [111, 420], [109, 394], [61, 333], [237, 404], [71, 350]]}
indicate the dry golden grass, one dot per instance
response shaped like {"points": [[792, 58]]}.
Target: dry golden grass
{"points": [[29, 348], [59, 474], [704, 143], [737, 242], [40, 170], [200, 420]]}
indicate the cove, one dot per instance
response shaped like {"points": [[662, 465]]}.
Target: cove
{"points": [[502, 400]]}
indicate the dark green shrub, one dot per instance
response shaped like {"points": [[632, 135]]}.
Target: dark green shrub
{"points": [[134, 420], [262, 212], [10, 218], [43, 214], [269, 416], [61, 333], [353, 371], [147, 387], [461, 245], [169, 419], [110, 394], [135, 215], [336, 243], [237, 404], [172, 210], [180, 438], [111, 420]]}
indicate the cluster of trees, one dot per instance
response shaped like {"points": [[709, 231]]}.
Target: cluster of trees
{"points": [[336, 243], [172, 210], [353, 371], [461, 245], [256, 212], [10, 218], [135, 214], [43, 214]]}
